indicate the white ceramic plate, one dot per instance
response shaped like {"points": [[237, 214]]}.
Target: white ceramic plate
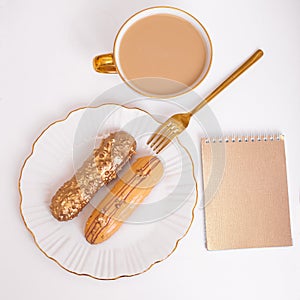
{"points": [[152, 232]]}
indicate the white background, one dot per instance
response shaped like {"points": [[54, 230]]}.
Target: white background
{"points": [[46, 49]]}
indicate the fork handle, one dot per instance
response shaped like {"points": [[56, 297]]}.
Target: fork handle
{"points": [[247, 64]]}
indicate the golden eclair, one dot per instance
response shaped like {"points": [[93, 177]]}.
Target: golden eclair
{"points": [[123, 199], [99, 169]]}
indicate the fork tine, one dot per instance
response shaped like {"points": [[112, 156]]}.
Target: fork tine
{"points": [[162, 136], [159, 135], [163, 145], [156, 134], [153, 136], [166, 142], [158, 142], [154, 147]]}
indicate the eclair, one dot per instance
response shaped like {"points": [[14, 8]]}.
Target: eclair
{"points": [[98, 169], [123, 199]]}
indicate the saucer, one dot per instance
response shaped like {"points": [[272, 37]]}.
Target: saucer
{"points": [[153, 231]]}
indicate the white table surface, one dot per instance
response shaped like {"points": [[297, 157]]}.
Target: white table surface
{"points": [[46, 49]]}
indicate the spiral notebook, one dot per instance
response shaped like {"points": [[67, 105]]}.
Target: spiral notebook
{"points": [[245, 192]]}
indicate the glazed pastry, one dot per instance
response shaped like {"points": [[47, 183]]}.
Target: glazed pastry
{"points": [[123, 199], [99, 169]]}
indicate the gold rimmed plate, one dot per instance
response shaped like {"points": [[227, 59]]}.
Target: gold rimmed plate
{"points": [[149, 236]]}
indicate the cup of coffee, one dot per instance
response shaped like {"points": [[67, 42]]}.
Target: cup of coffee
{"points": [[159, 52]]}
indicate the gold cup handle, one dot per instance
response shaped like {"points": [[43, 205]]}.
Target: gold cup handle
{"points": [[105, 63]]}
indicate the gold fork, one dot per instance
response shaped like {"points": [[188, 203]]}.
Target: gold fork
{"points": [[166, 132]]}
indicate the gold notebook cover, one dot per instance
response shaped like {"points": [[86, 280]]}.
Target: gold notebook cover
{"points": [[248, 206]]}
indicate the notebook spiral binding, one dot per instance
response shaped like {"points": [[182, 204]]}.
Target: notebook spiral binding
{"points": [[246, 138]]}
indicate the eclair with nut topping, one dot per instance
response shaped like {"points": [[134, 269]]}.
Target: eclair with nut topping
{"points": [[99, 169]]}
